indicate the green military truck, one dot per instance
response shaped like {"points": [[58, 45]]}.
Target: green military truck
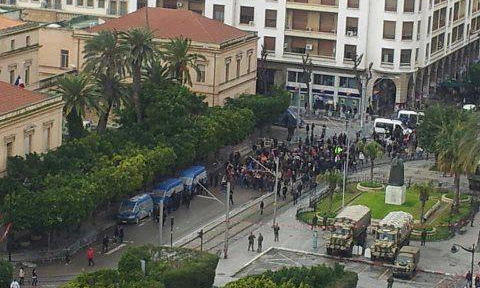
{"points": [[392, 233], [406, 262], [349, 229]]}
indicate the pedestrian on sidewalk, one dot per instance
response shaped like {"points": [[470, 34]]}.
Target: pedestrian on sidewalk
{"points": [[105, 244], [390, 282], [231, 197], [325, 221], [261, 207], [90, 255], [116, 233], [468, 277], [314, 221], [21, 275], [67, 256], [284, 192], [260, 241], [423, 237], [251, 241], [477, 281], [14, 284], [34, 277], [276, 229], [120, 234]]}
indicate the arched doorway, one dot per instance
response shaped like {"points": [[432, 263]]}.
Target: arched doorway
{"points": [[384, 95], [410, 92]]}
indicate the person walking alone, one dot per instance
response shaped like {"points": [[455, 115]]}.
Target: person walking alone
{"points": [[423, 237], [261, 207], [259, 241], [21, 275], [120, 234], [276, 229], [34, 277], [90, 255], [105, 244], [314, 221], [251, 241]]}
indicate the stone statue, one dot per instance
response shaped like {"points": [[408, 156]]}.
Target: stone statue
{"points": [[397, 175]]}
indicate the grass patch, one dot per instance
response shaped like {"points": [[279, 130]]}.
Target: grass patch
{"points": [[376, 202], [371, 184], [462, 196]]}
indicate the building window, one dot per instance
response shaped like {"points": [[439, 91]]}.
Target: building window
{"points": [[79, 2], [170, 4], [417, 52], [27, 41], [350, 52], [419, 25], [353, 3], [239, 59], [101, 3], [405, 57], [90, 3], [113, 8], [27, 143], [391, 5], [12, 76], [69, 2], [269, 43], [389, 30], [26, 78], [325, 80], [219, 12], [387, 56], [47, 133], [249, 68], [201, 73], [123, 8], [271, 18], [227, 70], [407, 31], [247, 15], [419, 5], [12, 44], [426, 51], [409, 6], [429, 24], [351, 27], [348, 82], [9, 149], [64, 58]]}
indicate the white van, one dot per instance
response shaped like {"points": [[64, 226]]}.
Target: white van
{"points": [[382, 125], [410, 117]]}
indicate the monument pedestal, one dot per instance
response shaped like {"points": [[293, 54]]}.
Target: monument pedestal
{"points": [[395, 194]]}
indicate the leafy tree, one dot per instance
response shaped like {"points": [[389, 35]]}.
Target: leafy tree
{"points": [[424, 191], [307, 71], [333, 180], [80, 94], [372, 150], [140, 49], [156, 72], [179, 58], [105, 58], [6, 273]]}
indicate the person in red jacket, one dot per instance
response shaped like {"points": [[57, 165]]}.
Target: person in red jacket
{"points": [[90, 254]]}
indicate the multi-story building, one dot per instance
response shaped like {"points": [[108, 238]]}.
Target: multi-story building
{"points": [[19, 51], [413, 44], [30, 122]]}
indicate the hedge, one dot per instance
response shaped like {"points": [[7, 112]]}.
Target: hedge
{"points": [[6, 273], [165, 267]]}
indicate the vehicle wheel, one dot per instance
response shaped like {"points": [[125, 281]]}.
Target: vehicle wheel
{"points": [[137, 220]]}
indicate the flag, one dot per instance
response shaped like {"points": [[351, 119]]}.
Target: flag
{"points": [[19, 82]]}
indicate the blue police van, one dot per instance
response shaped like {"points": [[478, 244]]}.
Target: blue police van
{"points": [[193, 175], [135, 209]]}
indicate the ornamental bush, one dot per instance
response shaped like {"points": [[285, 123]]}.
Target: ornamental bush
{"points": [[6, 273]]}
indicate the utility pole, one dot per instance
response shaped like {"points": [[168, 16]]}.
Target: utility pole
{"points": [[277, 160], [160, 222], [171, 231], [345, 167], [200, 235], [227, 224]]}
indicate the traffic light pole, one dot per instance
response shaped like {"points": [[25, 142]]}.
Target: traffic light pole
{"points": [[227, 222]]}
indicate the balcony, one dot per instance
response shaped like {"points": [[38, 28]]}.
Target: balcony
{"points": [[314, 5], [57, 4], [315, 48], [311, 24]]}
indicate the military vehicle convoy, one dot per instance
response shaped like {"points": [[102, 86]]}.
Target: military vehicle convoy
{"points": [[406, 262], [392, 234], [349, 229]]}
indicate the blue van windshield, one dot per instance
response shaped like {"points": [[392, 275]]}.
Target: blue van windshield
{"points": [[127, 207]]}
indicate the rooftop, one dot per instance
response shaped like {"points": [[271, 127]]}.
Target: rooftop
{"points": [[171, 23], [6, 23], [13, 98]]}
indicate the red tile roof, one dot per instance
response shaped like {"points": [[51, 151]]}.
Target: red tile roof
{"points": [[170, 23], [13, 98], [9, 23]]}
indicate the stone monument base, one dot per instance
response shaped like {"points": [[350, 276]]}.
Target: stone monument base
{"points": [[395, 194]]}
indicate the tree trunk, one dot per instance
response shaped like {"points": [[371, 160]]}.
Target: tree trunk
{"points": [[137, 89], [371, 170], [422, 212], [75, 125], [330, 200], [456, 197]]}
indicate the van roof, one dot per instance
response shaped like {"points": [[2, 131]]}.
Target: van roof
{"points": [[410, 112], [169, 183], [388, 121], [140, 197], [192, 171]]}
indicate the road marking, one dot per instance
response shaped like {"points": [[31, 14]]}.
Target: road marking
{"points": [[363, 270], [288, 258], [383, 274], [116, 249]]}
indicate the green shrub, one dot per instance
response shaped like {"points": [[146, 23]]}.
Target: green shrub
{"points": [[371, 184], [107, 278], [6, 273]]}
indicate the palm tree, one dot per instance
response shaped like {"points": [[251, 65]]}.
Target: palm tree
{"points": [[423, 196], [141, 49], [333, 180], [105, 58], [177, 55], [372, 150], [80, 94], [156, 72]]}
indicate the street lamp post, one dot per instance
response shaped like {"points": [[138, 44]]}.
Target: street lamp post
{"points": [[471, 250], [345, 167]]}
